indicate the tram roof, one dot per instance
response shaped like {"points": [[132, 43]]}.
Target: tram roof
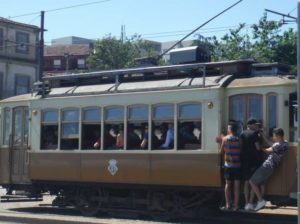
{"points": [[142, 70], [182, 83], [262, 81], [146, 71]]}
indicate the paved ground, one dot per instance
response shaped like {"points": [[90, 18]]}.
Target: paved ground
{"points": [[22, 210]]}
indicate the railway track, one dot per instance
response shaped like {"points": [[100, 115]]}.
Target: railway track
{"points": [[41, 212]]}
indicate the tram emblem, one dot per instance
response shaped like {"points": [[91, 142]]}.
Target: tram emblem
{"points": [[112, 166]]}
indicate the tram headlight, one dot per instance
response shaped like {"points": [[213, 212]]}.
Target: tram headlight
{"points": [[34, 112]]}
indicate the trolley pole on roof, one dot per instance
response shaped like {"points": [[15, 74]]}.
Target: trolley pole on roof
{"points": [[298, 110]]}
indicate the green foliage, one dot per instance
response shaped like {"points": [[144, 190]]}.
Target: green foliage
{"points": [[266, 44], [286, 49], [266, 37], [113, 53], [232, 46]]}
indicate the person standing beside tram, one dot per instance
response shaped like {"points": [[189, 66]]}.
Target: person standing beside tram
{"points": [[264, 172], [250, 147], [230, 146]]}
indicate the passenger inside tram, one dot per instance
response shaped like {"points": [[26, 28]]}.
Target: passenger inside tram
{"points": [[49, 137], [159, 133], [90, 134], [169, 140], [133, 139], [187, 136], [120, 137], [145, 140], [109, 137]]}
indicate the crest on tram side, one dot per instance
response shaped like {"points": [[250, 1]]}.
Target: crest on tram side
{"points": [[112, 166]]}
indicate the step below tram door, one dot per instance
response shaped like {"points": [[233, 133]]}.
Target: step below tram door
{"points": [[19, 147]]}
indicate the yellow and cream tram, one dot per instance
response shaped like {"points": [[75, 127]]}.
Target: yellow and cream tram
{"points": [[48, 137]]}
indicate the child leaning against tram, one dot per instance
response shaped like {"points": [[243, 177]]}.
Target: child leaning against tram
{"points": [[263, 173], [230, 146]]}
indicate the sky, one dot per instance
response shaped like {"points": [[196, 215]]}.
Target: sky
{"points": [[157, 20]]}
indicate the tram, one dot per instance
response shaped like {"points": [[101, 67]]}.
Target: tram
{"points": [[48, 138]]}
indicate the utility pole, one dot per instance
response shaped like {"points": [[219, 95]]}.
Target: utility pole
{"points": [[67, 57], [123, 33], [294, 19], [41, 48], [298, 109]]}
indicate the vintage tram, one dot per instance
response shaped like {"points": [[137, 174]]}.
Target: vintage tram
{"points": [[48, 137]]}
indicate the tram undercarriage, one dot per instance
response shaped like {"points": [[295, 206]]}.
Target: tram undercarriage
{"points": [[149, 200]]}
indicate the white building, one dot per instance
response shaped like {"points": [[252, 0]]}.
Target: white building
{"points": [[18, 57]]}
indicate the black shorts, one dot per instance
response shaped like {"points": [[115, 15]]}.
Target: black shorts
{"points": [[232, 173], [248, 170]]}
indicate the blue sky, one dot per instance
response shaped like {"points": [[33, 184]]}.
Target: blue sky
{"points": [[158, 20]]}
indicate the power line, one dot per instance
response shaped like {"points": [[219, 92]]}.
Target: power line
{"points": [[292, 10], [181, 32], [33, 19], [205, 29], [58, 9]]}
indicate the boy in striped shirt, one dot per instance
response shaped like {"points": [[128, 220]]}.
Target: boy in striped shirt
{"points": [[230, 146]]}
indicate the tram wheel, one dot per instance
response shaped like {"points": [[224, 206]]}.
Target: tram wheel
{"points": [[87, 203]]}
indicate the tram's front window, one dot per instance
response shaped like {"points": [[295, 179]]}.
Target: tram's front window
{"points": [[272, 113], [163, 127], [237, 108], [137, 127], [255, 107], [91, 129], [49, 130], [17, 137], [245, 106], [6, 126], [26, 127], [70, 129], [293, 115], [189, 126], [114, 128]]}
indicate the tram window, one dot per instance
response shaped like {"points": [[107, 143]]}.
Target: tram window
{"points": [[237, 109], [189, 126], [137, 127], [6, 126], [91, 127], [293, 122], [255, 107], [114, 128], [17, 136], [49, 130], [163, 127], [272, 113], [70, 129], [26, 128], [244, 106]]}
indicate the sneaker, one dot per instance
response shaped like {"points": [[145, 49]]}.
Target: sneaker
{"points": [[260, 205], [249, 207]]}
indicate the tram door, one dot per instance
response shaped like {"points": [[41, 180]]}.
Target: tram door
{"points": [[19, 145]]}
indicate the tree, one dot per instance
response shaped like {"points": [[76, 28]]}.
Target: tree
{"points": [[113, 53], [266, 36], [266, 44], [286, 50], [232, 46]]}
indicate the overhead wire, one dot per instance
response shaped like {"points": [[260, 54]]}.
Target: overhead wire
{"points": [[62, 8], [179, 33]]}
